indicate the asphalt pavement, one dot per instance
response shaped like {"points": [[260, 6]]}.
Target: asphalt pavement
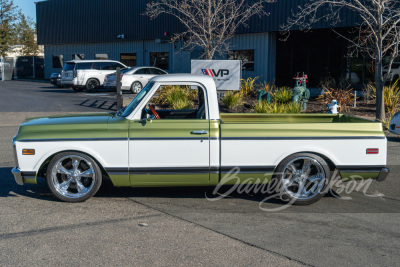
{"points": [[180, 226]]}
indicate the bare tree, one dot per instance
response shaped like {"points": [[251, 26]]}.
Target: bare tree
{"points": [[209, 24], [378, 35]]}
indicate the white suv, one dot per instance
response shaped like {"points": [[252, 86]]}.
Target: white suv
{"points": [[89, 74]]}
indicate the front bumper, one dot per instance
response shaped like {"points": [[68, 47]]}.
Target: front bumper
{"points": [[17, 176]]}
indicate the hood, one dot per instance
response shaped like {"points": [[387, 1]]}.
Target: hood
{"points": [[65, 126]]}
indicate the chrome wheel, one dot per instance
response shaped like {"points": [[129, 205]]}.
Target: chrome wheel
{"points": [[73, 176], [303, 178], [136, 87]]}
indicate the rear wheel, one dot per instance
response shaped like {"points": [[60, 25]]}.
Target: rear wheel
{"points": [[92, 85], [136, 87], [302, 178], [73, 176]]}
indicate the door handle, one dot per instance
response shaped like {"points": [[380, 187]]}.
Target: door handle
{"points": [[199, 132]]}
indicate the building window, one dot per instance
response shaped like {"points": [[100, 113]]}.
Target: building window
{"points": [[78, 56], [159, 60], [246, 56], [101, 56], [58, 61], [128, 59]]}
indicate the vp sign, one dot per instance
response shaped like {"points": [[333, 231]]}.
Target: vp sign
{"points": [[226, 73]]}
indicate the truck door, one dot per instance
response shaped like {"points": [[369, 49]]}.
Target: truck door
{"points": [[171, 147]]}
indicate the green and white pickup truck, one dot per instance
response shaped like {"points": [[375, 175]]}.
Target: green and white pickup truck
{"points": [[156, 142]]}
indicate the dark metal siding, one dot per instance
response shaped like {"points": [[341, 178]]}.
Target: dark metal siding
{"points": [[95, 21]]}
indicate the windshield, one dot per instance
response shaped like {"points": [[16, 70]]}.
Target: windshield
{"points": [[69, 66], [135, 102]]}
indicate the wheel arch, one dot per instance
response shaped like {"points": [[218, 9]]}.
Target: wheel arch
{"points": [[45, 163], [328, 159]]}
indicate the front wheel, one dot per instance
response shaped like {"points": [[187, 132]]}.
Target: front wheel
{"points": [[73, 177], [302, 178], [136, 87]]}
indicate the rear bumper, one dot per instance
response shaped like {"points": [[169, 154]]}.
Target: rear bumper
{"points": [[383, 174], [379, 173]]}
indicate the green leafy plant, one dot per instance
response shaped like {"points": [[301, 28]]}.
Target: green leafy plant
{"points": [[264, 107], [391, 94], [232, 99], [182, 104], [248, 86], [282, 95], [176, 97]]}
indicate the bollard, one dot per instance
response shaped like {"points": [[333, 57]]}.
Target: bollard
{"points": [[119, 91]]}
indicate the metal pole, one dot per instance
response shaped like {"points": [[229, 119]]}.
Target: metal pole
{"points": [[34, 70], [119, 92], [2, 69], [355, 99]]}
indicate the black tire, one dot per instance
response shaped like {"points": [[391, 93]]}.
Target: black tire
{"points": [[288, 183], [136, 87], [73, 176], [77, 89], [92, 85]]}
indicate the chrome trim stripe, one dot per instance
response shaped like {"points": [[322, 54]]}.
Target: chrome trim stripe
{"points": [[249, 169], [305, 138], [117, 139], [169, 170], [170, 138], [74, 139]]}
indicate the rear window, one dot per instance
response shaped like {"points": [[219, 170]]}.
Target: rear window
{"points": [[69, 66]]}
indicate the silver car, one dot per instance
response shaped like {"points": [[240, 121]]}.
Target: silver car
{"points": [[133, 79]]}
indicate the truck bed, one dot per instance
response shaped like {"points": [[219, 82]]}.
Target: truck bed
{"points": [[299, 125]]}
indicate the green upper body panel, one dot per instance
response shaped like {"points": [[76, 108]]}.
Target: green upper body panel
{"points": [[97, 125], [104, 125]]}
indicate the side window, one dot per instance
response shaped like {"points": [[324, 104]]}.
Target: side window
{"points": [[172, 102], [157, 72], [140, 71], [83, 66], [120, 66], [106, 65], [96, 66]]}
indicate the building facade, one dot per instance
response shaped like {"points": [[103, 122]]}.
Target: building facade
{"points": [[117, 30]]}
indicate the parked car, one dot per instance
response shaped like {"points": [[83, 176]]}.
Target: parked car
{"points": [[145, 144], [87, 74], [55, 79], [394, 126], [133, 79], [394, 73]]}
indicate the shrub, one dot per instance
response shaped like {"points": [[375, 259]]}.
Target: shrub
{"points": [[248, 86], [391, 95], [268, 87], [344, 96], [232, 99], [282, 95], [182, 104], [264, 107], [177, 97]]}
